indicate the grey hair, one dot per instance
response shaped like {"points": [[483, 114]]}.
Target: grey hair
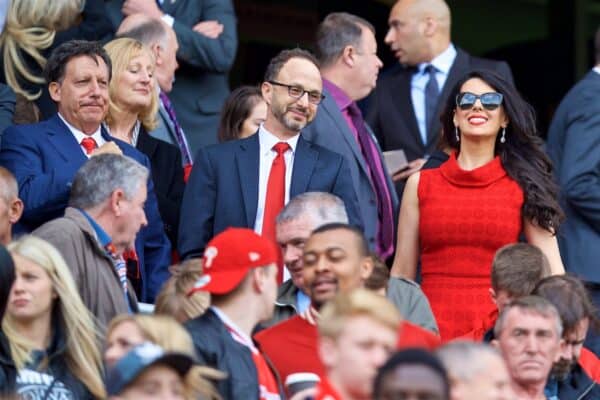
{"points": [[533, 304], [322, 208], [9, 190], [101, 175], [149, 33], [464, 360], [337, 31]]}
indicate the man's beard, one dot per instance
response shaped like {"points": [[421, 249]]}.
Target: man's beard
{"points": [[562, 368]]}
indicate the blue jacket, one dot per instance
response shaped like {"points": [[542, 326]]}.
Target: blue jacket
{"points": [[223, 188], [44, 158]]}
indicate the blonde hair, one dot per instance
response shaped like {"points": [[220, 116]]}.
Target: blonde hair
{"points": [[359, 302], [173, 298], [167, 333], [121, 51], [30, 28], [82, 352]]}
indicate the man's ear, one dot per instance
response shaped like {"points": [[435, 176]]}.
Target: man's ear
{"points": [[54, 89], [267, 92], [15, 211], [116, 197], [493, 296], [430, 26], [366, 268], [348, 55], [495, 343], [157, 51]]}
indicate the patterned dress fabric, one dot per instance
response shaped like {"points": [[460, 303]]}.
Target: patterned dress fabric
{"points": [[464, 218]]}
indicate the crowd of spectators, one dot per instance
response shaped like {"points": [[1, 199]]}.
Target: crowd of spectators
{"points": [[161, 238]]}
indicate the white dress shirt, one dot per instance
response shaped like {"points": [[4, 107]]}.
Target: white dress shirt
{"points": [[79, 135], [266, 142], [442, 63]]}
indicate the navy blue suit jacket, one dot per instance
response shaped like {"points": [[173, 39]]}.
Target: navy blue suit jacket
{"points": [[44, 158], [574, 147], [223, 188]]}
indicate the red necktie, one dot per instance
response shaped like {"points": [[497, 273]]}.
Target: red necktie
{"points": [[89, 144], [275, 196]]}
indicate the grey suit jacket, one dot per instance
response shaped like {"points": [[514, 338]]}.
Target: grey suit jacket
{"points": [[330, 130], [201, 84]]}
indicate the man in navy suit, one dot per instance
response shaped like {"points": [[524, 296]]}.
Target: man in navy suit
{"points": [[228, 183], [347, 51], [419, 37], [44, 157], [574, 147]]}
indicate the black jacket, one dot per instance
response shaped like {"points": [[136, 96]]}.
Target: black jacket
{"points": [[167, 175], [578, 386], [216, 348], [57, 368]]}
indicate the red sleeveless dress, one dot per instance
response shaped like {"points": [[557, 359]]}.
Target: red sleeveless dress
{"points": [[464, 217]]}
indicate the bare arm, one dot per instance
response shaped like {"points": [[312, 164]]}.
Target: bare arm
{"points": [[545, 241], [407, 247]]}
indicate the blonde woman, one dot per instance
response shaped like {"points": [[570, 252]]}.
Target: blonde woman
{"points": [[132, 114], [49, 344], [173, 298], [127, 331], [33, 29]]}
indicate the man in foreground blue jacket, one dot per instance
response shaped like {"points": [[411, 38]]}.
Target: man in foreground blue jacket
{"points": [[44, 157]]}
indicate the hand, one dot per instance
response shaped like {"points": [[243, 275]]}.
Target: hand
{"points": [[413, 166], [108, 148], [211, 29], [146, 7]]}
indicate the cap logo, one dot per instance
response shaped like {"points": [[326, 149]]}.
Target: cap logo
{"points": [[209, 254], [253, 256], [202, 281]]}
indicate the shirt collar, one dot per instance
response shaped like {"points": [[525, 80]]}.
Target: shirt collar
{"points": [[442, 62], [267, 140], [101, 234], [79, 135], [341, 99]]}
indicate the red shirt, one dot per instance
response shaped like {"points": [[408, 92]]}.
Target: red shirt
{"points": [[292, 345]]}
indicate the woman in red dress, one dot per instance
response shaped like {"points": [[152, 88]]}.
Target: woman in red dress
{"points": [[496, 184]]}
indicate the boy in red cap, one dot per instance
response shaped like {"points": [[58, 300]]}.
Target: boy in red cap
{"points": [[240, 273]]}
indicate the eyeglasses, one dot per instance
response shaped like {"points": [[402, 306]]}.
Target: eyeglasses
{"points": [[489, 101], [296, 92]]}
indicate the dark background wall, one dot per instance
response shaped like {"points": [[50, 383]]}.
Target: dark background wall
{"points": [[548, 43]]}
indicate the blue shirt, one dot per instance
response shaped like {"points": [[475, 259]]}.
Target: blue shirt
{"points": [[101, 234], [302, 302], [442, 63]]}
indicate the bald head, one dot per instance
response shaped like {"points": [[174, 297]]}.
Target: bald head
{"points": [[419, 30], [160, 38]]}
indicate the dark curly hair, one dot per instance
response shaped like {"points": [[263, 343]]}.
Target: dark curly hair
{"points": [[521, 155]]}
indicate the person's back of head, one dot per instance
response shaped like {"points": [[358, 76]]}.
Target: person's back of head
{"points": [[413, 373], [378, 280], [173, 299], [320, 208], [469, 366], [516, 270]]}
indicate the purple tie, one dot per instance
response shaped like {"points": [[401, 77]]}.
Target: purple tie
{"points": [[179, 135], [385, 231]]}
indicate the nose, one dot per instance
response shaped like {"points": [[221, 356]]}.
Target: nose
{"points": [[389, 37], [322, 263], [144, 220], [380, 356], [112, 355], [303, 100], [531, 344], [17, 286], [290, 254], [379, 62]]}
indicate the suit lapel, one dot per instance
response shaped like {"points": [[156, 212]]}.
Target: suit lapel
{"points": [[248, 162], [305, 160], [401, 94], [331, 108], [64, 142], [145, 144]]}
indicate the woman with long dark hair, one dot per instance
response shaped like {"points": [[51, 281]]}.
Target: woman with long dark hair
{"points": [[496, 185]]}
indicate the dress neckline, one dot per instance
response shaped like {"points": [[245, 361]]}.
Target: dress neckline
{"points": [[478, 177]]}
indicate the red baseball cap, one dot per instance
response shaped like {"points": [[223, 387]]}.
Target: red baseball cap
{"points": [[230, 255]]}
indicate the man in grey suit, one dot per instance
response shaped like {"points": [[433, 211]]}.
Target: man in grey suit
{"points": [[207, 36], [574, 147], [347, 51], [161, 40]]}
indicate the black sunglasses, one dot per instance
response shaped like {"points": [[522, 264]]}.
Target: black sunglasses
{"points": [[489, 101]]}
